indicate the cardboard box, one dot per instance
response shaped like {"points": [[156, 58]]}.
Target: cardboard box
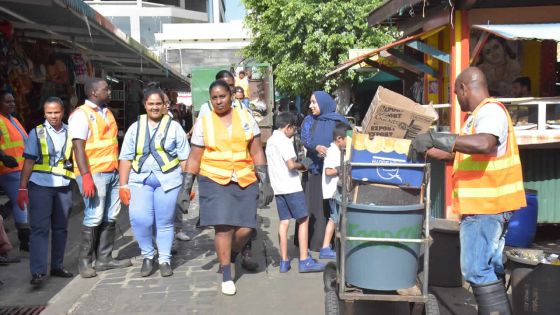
{"points": [[383, 150], [394, 115]]}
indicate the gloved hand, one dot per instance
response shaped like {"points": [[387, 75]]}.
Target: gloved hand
{"points": [[88, 187], [8, 161], [265, 190], [22, 198], [185, 193], [443, 141], [124, 195], [306, 162]]}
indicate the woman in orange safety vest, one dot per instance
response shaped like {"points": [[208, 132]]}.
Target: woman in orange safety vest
{"points": [[12, 143], [227, 154]]}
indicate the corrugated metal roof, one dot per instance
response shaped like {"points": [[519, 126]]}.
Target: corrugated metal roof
{"points": [[541, 172], [539, 31]]}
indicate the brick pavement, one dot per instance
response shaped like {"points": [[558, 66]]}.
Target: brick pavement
{"points": [[194, 286]]}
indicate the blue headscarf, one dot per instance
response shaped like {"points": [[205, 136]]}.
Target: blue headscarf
{"points": [[318, 130]]}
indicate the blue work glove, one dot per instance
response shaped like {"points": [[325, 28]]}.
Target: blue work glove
{"points": [[265, 190]]}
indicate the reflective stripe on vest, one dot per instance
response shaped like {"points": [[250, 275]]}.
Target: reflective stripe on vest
{"points": [[12, 142], [146, 145], [485, 184], [102, 148], [45, 164], [225, 154]]}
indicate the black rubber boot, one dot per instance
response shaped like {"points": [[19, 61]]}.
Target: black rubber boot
{"points": [[105, 260], [248, 263], [492, 298], [23, 236], [87, 250]]}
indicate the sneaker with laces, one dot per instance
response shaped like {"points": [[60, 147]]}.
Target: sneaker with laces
{"points": [[310, 265], [182, 236], [228, 288], [327, 253], [285, 266]]}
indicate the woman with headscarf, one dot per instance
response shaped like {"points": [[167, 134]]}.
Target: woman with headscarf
{"points": [[316, 136]]}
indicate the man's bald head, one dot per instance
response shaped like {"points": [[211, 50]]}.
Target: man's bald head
{"points": [[474, 77], [471, 88]]}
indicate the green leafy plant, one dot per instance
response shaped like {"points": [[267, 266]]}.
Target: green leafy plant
{"points": [[305, 39]]}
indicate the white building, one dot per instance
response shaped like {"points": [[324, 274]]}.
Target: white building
{"points": [[184, 33], [197, 44], [142, 19]]}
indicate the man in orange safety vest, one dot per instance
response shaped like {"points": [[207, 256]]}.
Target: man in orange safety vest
{"points": [[487, 185]]}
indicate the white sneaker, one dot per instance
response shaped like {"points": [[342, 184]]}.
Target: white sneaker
{"points": [[228, 288], [182, 236]]}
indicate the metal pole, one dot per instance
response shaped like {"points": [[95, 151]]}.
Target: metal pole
{"points": [[342, 217], [427, 231]]}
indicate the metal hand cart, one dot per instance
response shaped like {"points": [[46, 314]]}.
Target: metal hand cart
{"points": [[335, 275]]}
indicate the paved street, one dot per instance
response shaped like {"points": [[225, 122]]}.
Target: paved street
{"points": [[194, 287]]}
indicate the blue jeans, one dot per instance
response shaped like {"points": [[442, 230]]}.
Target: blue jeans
{"points": [[49, 208], [482, 243], [151, 207], [10, 184], [105, 204]]}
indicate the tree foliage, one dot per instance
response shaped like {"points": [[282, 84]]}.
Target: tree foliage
{"points": [[305, 39]]}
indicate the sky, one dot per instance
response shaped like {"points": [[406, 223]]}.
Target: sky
{"points": [[234, 10]]}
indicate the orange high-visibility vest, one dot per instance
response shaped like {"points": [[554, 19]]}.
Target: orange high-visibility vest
{"points": [[485, 184], [12, 142], [225, 153], [102, 148]]}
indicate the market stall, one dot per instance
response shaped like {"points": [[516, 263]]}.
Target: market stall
{"points": [[513, 42], [49, 48]]}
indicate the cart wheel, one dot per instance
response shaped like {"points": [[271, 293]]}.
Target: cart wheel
{"points": [[332, 304], [329, 277], [432, 306]]}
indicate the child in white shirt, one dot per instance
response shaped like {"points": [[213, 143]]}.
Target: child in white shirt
{"points": [[290, 200], [331, 170]]}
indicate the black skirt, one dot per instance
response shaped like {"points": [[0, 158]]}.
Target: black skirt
{"points": [[318, 212], [227, 204]]}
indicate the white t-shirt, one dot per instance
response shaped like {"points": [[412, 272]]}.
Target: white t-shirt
{"points": [[491, 119], [78, 127], [332, 160], [280, 149]]}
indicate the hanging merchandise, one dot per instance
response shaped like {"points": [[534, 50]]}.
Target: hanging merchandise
{"points": [[7, 29], [80, 67], [20, 81]]}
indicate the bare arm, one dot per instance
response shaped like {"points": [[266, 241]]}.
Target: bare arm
{"points": [[26, 173], [193, 162], [256, 151], [79, 147], [292, 164], [331, 171], [183, 165], [124, 171], [438, 154], [482, 143]]}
